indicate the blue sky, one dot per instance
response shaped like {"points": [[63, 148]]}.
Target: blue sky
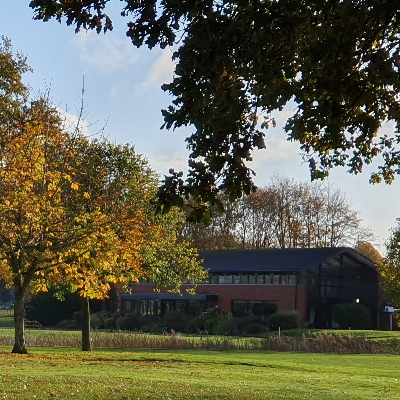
{"points": [[122, 90]]}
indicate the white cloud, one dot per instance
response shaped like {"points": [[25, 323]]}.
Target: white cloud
{"points": [[105, 52], [162, 164], [161, 71], [72, 123]]}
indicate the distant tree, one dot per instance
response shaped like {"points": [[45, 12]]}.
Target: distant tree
{"points": [[368, 250], [240, 61], [283, 214]]}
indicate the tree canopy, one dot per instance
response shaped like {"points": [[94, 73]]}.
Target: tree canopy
{"points": [[240, 61], [282, 214], [390, 268], [75, 212]]}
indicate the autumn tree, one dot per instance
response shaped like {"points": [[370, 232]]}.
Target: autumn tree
{"points": [[240, 61], [113, 192], [389, 270], [33, 171], [74, 212], [369, 250]]}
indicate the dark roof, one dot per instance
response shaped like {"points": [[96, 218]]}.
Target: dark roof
{"points": [[275, 260]]}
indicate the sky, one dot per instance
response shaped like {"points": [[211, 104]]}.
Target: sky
{"points": [[123, 95]]}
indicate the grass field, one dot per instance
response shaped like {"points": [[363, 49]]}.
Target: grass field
{"points": [[108, 374]]}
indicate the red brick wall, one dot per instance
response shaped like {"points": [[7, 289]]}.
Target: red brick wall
{"points": [[284, 295]]}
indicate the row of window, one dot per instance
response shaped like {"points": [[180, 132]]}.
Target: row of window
{"points": [[242, 308], [253, 279], [160, 307], [246, 279]]}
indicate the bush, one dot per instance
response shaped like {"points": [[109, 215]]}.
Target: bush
{"points": [[226, 327], [284, 320], [256, 329], [77, 318], [195, 325], [243, 324], [96, 322], [175, 320], [109, 323], [353, 316]]}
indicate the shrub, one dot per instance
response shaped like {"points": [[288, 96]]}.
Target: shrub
{"points": [[244, 323], [154, 327], [284, 320], [195, 325], [109, 323], [256, 329], [226, 327], [354, 316], [96, 321], [77, 317], [175, 320], [67, 324]]}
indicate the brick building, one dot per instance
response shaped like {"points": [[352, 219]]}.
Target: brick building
{"points": [[261, 282]]}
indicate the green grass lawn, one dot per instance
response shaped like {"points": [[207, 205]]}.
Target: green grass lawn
{"points": [[49, 373]]}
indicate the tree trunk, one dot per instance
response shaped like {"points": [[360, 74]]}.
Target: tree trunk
{"points": [[19, 311], [86, 344]]}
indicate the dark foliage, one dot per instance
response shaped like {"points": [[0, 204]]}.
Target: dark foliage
{"points": [[240, 60], [353, 316], [284, 320]]}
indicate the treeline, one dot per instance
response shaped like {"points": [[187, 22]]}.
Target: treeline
{"points": [[282, 214]]}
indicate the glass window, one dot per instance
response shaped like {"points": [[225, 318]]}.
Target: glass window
{"points": [[239, 308], [292, 279], [229, 279], [267, 279], [236, 278], [180, 306], [128, 304], [244, 279], [284, 279], [144, 307], [137, 306], [276, 279], [195, 307], [260, 279], [221, 278], [214, 278], [256, 307], [252, 279], [270, 307]]}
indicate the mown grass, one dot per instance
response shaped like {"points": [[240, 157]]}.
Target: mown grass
{"points": [[50, 373]]}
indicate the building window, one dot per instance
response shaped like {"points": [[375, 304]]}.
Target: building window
{"points": [[267, 279], [276, 279], [252, 279], [128, 304], [292, 279], [236, 279], [260, 279], [241, 308], [214, 278], [244, 279]]}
